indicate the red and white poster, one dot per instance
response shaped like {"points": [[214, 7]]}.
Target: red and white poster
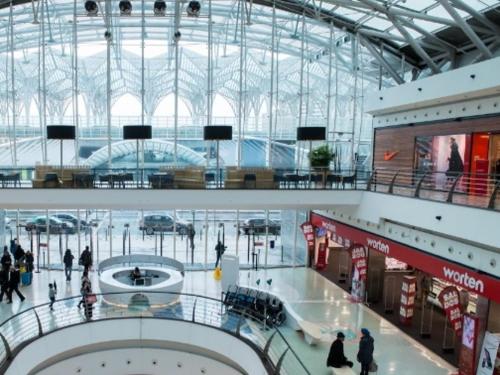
{"points": [[467, 359], [308, 230], [407, 301], [485, 285], [359, 260], [321, 259], [450, 300]]}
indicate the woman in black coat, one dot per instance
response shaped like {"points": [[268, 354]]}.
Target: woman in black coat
{"points": [[365, 353], [336, 357]]}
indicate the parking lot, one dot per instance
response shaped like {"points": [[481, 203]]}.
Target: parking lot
{"points": [[112, 233]]}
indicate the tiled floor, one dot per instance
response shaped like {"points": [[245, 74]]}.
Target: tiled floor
{"points": [[312, 296]]}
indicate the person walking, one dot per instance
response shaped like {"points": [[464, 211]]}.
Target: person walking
{"points": [[219, 249], [4, 283], [86, 259], [30, 260], [19, 256], [52, 295], [68, 264], [85, 288], [336, 357], [6, 260], [365, 352], [14, 279]]}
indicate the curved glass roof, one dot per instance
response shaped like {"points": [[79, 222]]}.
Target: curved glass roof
{"points": [[288, 64]]}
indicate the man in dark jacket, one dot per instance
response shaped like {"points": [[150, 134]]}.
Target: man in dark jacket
{"points": [[86, 259], [336, 357], [6, 260], [68, 264], [19, 255], [14, 280], [4, 283], [365, 353]]}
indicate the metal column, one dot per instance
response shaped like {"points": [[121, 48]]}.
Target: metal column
{"points": [[271, 91], [109, 38]]}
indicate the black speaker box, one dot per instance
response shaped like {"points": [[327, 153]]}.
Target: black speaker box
{"points": [[137, 132], [311, 133], [218, 133], [60, 132]]}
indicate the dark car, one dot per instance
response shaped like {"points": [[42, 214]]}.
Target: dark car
{"points": [[162, 223], [56, 226], [73, 220], [258, 226]]}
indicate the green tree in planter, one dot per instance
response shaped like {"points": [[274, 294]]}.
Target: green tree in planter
{"points": [[321, 157]]}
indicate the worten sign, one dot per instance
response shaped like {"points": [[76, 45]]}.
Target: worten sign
{"points": [[485, 285]]}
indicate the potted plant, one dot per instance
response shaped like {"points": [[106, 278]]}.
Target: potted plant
{"points": [[321, 157]]}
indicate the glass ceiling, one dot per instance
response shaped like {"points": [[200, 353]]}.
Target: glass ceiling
{"points": [[288, 64]]}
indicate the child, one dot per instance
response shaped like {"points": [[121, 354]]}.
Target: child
{"points": [[52, 294]]}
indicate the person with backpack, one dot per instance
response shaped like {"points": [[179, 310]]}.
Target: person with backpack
{"points": [[365, 352], [86, 259], [68, 264]]}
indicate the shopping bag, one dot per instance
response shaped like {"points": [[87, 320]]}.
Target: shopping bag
{"points": [[90, 299], [373, 367]]}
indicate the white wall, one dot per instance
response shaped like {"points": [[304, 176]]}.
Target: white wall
{"points": [[139, 361], [174, 199], [469, 236], [104, 335], [472, 82]]}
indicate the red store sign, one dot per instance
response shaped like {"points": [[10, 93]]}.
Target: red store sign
{"points": [[484, 285]]}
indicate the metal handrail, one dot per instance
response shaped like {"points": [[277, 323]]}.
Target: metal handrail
{"points": [[13, 340], [438, 186]]}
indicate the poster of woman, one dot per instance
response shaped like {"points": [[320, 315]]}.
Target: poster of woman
{"points": [[448, 153]]}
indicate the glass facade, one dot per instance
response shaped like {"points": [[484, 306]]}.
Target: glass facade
{"points": [[264, 77], [261, 238]]}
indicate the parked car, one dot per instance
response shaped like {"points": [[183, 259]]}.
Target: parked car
{"points": [[162, 223], [258, 226], [56, 226], [73, 220]]}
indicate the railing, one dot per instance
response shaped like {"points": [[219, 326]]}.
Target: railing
{"points": [[471, 189], [35, 322]]}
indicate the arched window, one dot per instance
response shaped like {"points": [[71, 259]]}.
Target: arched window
{"points": [[221, 107], [126, 105], [165, 111]]}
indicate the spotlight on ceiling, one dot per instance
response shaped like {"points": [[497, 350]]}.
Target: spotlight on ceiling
{"points": [[160, 8], [193, 8], [91, 8], [125, 8]]}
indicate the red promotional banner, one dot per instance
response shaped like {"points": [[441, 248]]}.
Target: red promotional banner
{"points": [[321, 262], [462, 276], [308, 230], [450, 301], [359, 260]]}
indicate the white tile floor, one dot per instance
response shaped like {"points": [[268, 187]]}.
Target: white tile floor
{"points": [[312, 296]]}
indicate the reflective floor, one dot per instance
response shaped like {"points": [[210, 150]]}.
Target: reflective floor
{"points": [[314, 299]]}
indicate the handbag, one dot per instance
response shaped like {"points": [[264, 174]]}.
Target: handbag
{"points": [[373, 367], [90, 299]]}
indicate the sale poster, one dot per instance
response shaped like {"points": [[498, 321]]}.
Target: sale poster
{"points": [[450, 300]]}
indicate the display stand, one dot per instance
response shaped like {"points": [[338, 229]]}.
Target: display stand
{"points": [[389, 294], [408, 290]]}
